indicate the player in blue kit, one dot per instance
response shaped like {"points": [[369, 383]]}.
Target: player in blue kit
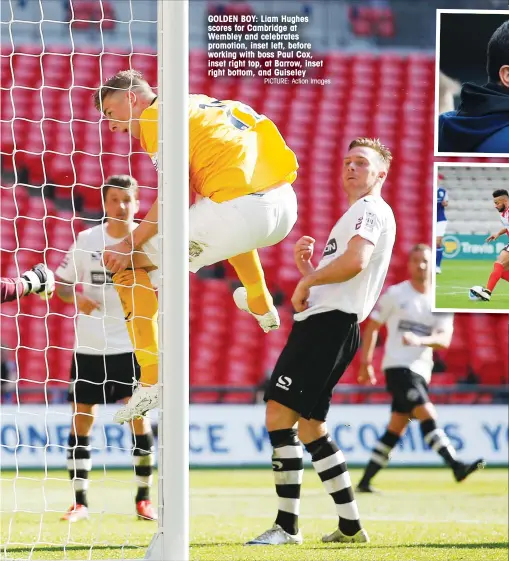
{"points": [[442, 203]]}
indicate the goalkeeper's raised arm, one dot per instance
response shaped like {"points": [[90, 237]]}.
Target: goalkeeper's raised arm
{"points": [[130, 105]]}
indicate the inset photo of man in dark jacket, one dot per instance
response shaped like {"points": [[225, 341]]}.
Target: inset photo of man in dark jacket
{"points": [[480, 123]]}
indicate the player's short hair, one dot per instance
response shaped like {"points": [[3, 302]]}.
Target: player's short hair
{"points": [[374, 144], [500, 193], [125, 182], [419, 247], [498, 52], [122, 81]]}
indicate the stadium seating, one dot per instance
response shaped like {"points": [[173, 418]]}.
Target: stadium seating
{"points": [[387, 96], [368, 21]]}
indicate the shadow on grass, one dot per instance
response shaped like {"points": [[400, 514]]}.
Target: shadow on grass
{"points": [[43, 548], [475, 545], [494, 545]]}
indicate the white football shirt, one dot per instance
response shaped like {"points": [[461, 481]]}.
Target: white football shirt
{"points": [[371, 218], [402, 309], [504, 218], [103, 332]]}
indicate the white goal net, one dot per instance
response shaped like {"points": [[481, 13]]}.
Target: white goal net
{"points": [[56, 153]]}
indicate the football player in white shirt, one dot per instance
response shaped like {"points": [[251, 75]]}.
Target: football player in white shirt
{"points": [[104, 365], [330, 301], [413, 332], [501, 265]]}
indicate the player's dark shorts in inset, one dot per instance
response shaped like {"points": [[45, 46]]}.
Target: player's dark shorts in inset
{"points": [[408, 389], [100, 379], [317, 353]]}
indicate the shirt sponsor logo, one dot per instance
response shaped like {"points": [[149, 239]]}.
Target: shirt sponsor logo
{"points": [[414, 327], [100, 277], [331, 247]]}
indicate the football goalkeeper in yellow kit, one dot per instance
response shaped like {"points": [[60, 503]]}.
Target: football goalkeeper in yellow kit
{"points": [[240, 170]]}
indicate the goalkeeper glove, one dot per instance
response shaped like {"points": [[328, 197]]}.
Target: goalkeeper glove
{"points": [[40, 280]]}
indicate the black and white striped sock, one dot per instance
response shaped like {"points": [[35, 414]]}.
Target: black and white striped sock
{"points": [[438, 441], [379, 456], [330, 464], [288, 470], [143, 461], [79, 465]]}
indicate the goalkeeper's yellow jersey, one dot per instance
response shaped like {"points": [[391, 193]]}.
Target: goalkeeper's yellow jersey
{"points": [[233, 151]]}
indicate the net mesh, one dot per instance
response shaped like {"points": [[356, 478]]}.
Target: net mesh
{"points": [[55, 154]]}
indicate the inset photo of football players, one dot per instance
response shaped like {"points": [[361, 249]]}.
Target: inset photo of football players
{"points": [[471, 237]]}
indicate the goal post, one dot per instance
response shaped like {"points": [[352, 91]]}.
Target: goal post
{"points": [[171, 543]]}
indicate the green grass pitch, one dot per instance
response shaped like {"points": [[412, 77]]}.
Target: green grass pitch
{"points": [[458, 276], [422, 515]]}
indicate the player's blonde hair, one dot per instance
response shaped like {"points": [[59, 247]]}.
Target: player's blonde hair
{"points": [[122, 81], [374, 144]]}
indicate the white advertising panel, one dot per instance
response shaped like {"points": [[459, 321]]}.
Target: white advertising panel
{"points": [[32, 436]]}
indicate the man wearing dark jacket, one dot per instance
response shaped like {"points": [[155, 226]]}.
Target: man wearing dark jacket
{"points": [[481, 123]]}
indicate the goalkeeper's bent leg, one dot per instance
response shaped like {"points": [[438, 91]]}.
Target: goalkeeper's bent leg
{"points": [[250, 272], [141, 309]]}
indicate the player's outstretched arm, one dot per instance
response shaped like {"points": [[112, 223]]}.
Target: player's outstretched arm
{"points": [[440, 339], [494, 237], [11, 289], [148, 227], [369, 338], [38, 280], [345, 267], [118, 257], [66, 292], [303, 253]]}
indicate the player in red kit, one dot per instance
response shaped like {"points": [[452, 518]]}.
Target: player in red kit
{"points": [[501, 265]]}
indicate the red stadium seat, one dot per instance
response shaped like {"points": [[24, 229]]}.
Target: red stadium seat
{"points": [[388, 96]]}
